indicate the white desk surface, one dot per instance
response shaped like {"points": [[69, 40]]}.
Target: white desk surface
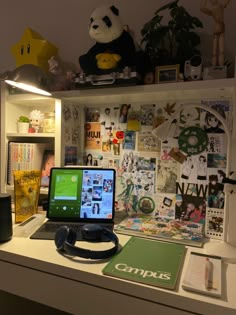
{"points": [[42, 256]]}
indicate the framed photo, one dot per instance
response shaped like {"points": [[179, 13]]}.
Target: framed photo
{"points": [[167, 74]]}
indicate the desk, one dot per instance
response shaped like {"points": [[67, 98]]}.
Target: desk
{"points": [[33, 269]]}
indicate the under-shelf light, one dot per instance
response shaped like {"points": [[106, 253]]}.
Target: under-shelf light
{"points": [[30, 78]]}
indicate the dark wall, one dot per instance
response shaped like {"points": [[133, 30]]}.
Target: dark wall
{"points": [[11, 304]]}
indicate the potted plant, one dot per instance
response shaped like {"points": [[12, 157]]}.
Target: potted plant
{"points": [[23, 124], [174, 42]]}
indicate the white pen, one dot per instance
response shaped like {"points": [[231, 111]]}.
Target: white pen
{"points": [[208, 274]]}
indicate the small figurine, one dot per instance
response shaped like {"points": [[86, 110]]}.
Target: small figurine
{"points": [[61, 76], [217, 13], [36, 120], [54, 66]]}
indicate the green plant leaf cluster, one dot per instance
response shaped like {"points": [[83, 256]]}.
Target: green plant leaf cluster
{"points": [[174, 42], [23, 119]]}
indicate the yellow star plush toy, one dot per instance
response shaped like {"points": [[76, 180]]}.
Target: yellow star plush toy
{"points": [[33, 49]]}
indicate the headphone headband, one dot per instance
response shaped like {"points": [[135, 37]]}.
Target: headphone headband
{"points": [[65, 239]]}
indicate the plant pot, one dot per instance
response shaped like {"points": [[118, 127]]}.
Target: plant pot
{"points": [[22, 127]]}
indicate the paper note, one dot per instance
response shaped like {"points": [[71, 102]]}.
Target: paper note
{"points": [[203, 274]]}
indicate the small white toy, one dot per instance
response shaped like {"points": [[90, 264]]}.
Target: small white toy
{"points": [[36, 120]]}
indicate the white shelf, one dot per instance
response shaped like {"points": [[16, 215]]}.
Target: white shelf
{"points": [[154, 92], [31, 135], [27, 99], [15, 105]]}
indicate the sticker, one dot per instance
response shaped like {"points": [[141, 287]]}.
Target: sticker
{"points": [[167, 201], [146, 204], [177, 155], [193, 140], [120, 135], [215, 223]]}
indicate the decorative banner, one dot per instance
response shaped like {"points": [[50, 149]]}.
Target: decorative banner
{"points": [[93, 136]]}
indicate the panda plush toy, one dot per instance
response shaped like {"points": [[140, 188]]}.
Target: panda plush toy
{"points": [[114, 48]]}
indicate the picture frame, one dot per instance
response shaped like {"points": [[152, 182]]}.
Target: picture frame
{"points": [[167, 74]]}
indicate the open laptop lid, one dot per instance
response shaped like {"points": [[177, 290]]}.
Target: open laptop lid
{"points": [[81, 194]]}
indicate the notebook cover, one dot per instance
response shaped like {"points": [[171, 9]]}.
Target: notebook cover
{"points": [[149, 262]]}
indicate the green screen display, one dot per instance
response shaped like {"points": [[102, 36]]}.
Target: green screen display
{"points": [[78, 193]]}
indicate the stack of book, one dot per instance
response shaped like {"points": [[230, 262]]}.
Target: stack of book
{"points": [[24, 156]]}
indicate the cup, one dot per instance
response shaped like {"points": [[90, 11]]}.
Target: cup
{"points": [[5, 218]]}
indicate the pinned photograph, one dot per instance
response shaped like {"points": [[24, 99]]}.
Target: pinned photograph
{"points": [[167, 74]]}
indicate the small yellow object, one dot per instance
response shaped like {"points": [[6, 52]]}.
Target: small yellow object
{"points": [[107, 61], [33, 49]]}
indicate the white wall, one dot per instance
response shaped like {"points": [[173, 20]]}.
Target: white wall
{"points": [[65, 24]]}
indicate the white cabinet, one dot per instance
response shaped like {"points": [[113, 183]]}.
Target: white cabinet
{"points": [[15, 105], [182, 92], [42, 256]]}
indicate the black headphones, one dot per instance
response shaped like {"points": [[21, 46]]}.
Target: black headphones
{"points": [[65, 239]]}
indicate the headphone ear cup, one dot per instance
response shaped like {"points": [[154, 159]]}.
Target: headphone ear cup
{"points": [[64, 234], [71, 237]]}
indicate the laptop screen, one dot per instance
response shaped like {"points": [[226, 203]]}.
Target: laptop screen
{"points": [[81, 194]]}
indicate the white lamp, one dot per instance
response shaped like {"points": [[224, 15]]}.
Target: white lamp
{"points": [[161, 132], [30, 78]]}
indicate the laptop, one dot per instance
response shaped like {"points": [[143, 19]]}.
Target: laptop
{"points": [[78, 196]]}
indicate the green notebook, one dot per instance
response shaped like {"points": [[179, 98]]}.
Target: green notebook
{"points": [[148, 261]]}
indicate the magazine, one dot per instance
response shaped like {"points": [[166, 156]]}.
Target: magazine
{"points": [[184, 232]]}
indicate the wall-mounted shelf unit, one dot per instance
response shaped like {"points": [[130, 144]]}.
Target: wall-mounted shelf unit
{"points": [[13, 105]]}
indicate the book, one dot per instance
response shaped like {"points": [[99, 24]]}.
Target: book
{"points": [[203, 274], [149, 262], [47, 163], [24, 156], [26, 193], [183, 232], [71, 155]]}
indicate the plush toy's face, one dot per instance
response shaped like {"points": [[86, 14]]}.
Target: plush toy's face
{"points": [[105, 24]]}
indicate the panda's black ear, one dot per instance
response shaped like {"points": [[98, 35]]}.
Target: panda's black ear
{"points": [[114, 10]]}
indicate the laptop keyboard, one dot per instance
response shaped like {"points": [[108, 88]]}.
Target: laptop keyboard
{"points": [[53, 227], [48, 229]]}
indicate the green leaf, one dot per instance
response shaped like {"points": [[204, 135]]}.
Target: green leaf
{"points": [[167, 6], [197, 22], [23, 119], [176, 41]]}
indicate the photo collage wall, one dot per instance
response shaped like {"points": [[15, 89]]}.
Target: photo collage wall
{"points": [[178, 178]]}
